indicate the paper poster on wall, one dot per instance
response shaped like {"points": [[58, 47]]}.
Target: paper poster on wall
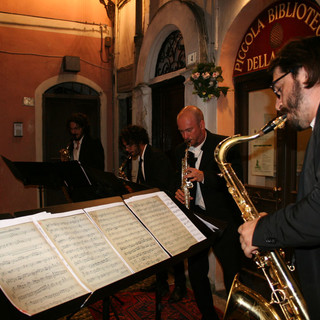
{"points": [[261, 154]]}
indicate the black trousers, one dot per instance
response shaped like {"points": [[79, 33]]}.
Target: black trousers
{"points": [[228, 251]]}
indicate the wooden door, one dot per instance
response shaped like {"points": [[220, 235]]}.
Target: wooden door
{"points": [[57, 108], [167, 101]]}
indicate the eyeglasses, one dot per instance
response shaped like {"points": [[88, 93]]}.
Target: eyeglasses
{"points": [[272, 86]]}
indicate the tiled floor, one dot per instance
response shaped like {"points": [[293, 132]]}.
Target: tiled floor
{"points": [[219, 299]]}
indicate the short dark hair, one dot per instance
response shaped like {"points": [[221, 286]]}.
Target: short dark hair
{"points": [[134, 134], [81, 120], [304, 52]]}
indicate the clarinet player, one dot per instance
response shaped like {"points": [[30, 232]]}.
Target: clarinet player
{"points": [[209, 196]]}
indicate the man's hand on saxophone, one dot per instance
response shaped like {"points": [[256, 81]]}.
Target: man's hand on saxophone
{"points": [[246, 233]]}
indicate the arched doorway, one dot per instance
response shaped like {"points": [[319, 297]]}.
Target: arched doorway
{"points": [[59, 102], [167, 101], [163, 25], [168, 95]]}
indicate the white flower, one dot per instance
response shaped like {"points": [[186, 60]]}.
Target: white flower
{"points": [[195, 75], [206, 75], [215, 74]]}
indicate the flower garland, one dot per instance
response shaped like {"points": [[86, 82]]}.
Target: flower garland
{"points": [[205, 78]]}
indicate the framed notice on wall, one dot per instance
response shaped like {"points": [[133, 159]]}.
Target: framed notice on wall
{"points": [[262, 152]]}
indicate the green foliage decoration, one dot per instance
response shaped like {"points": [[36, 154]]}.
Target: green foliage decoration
{"points": [[205, 78]]}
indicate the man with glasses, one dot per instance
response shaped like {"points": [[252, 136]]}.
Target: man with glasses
{"points": [[277, 91], [296, 74]]}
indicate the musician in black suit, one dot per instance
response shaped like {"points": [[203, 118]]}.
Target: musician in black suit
{"points": [[155, 171], [211, 198], [296, 83], [89, 152], [83, 147]]}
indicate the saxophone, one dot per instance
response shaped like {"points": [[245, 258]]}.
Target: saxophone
{"points": [[243, 302], [121, 172], [185, 183]]}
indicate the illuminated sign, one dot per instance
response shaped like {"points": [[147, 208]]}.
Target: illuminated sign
{"points": [[275, 26]]}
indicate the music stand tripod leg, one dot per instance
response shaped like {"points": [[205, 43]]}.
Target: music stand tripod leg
{"points": [[158, 302], [106, 305], [40, 196]]}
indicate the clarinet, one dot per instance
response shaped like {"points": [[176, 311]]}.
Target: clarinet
{"points": [[185, 183], [121, 172]]}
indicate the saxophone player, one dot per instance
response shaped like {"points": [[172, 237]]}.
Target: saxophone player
{"points": [[211, 198], [296, 84], [155, 170]]}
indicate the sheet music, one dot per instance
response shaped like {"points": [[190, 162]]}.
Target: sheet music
{"points": [[49, 259], [162, 222], [181, 216], [128, 235], [31, 274], [211, 226], [85, 249]]}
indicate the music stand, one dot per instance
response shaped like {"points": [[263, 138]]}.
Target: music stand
{"points": [[49, 174], [73, 174], [40, 174]]}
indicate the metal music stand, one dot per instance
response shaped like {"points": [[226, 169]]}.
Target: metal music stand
{"points": [[80, 183], [52, 175], [40, 174]]}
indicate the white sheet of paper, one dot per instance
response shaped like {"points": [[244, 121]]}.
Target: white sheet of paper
{"points": [[165, 224], [85, 249], [128, 235], [31, 274]]}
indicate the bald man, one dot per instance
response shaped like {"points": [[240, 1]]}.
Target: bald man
{"points": [[213, 199]]}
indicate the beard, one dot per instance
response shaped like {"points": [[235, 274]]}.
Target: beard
{"points": [[293, 108], [76, 137]]}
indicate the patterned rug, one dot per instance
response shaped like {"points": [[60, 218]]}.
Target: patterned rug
{"points": [[139, 305]]}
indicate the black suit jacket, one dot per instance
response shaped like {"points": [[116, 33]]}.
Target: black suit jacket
{"points": [[298, 225], [91, 153], [219, 203], [158, 170]]}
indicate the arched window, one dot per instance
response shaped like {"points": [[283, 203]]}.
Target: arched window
{"points": [[72, 88], [172, 54]]}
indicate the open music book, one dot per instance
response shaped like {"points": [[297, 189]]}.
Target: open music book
{"points": [[48, 259]]}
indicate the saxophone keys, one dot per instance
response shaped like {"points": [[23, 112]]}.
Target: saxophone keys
{"points": [[231, 190], [248, 209], [278, 296]]}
